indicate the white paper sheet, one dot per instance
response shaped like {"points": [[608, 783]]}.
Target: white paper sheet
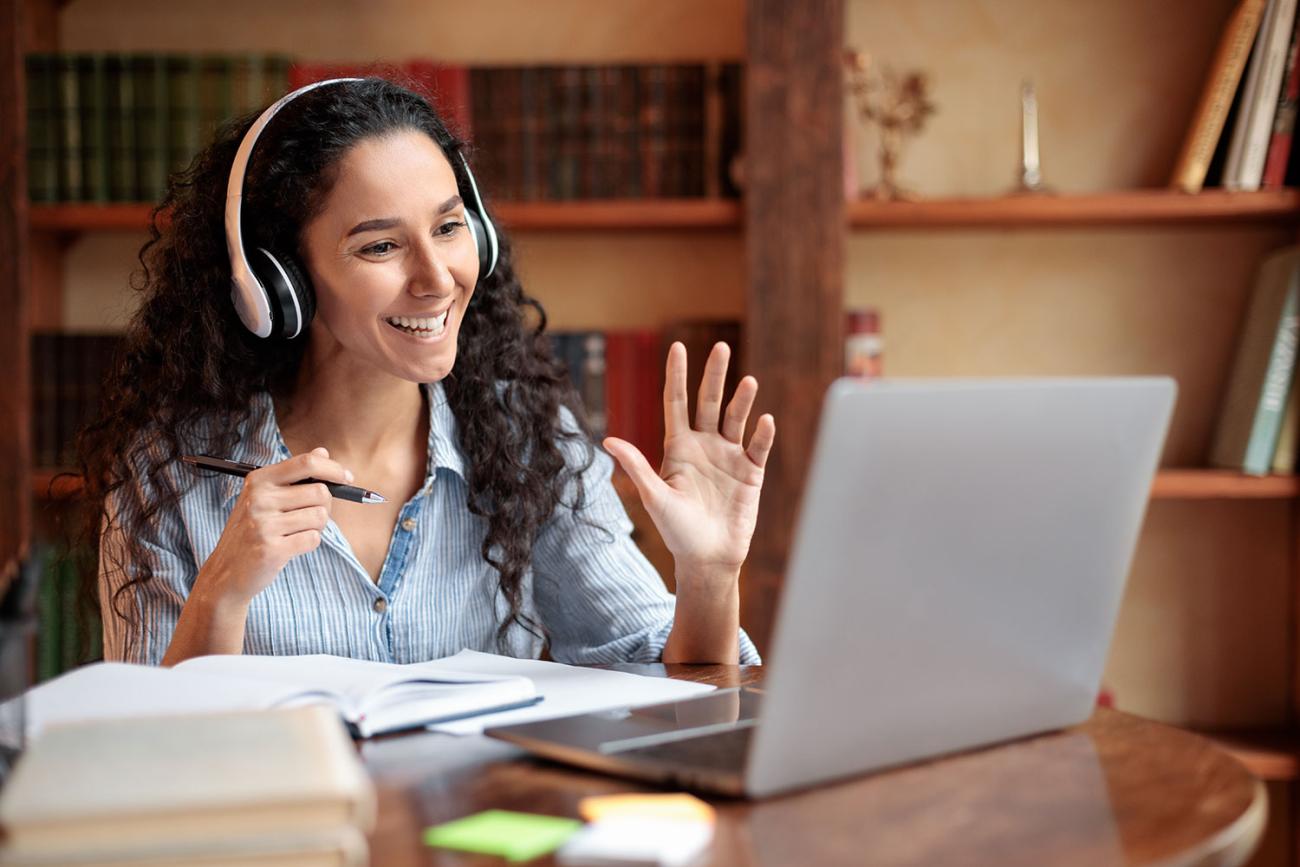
{"points": [[565, 689]]}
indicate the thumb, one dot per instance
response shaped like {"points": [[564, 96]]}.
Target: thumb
{"points": [[629, 457]]}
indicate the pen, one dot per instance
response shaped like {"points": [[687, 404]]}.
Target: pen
{"points": [[235, 468]]}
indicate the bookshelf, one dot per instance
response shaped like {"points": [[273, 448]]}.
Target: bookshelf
{"points": [[611, 215]]}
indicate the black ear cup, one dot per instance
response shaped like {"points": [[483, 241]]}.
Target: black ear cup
{"points": [[289, 292], [480, 234]]}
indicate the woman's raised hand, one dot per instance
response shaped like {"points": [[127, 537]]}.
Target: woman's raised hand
{"points": [[704, 499], [273, 520]]}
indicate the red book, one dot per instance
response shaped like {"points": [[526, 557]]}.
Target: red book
{"points": [[1279, 144]]}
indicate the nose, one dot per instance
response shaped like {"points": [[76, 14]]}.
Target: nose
{"points": [[430, 273]]}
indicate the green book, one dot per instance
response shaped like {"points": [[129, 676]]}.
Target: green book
{"points": [[120, 112], [71, 187], [42, 129], [182, 111], [275, 77], [149, 85], [1254, 406], [216, 102], [94, 128]]}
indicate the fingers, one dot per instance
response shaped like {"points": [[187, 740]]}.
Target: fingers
{"points": [[709, 405], [629, 457], [760, 444], [299, 520], [315, 464], [733, 426], [676, 419]]}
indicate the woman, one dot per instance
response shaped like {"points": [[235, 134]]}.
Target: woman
{"points": [[420, 376]]}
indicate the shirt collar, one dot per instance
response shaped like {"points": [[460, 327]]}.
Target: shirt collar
{"points": [[262, 444]]}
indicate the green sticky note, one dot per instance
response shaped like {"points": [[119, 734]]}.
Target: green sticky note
{"points": [[513, 836]]}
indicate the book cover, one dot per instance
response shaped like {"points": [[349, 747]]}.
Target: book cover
{"points": [[1221, 82], [146, 787], [1251, 415], [149, 80]]}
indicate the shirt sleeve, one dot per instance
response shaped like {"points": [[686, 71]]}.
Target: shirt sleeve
{"points": [[142, 630], [599, 598]]}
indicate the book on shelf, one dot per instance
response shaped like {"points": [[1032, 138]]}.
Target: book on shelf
{"points": [[445, 85], [1252, 411], [372, 698], [1283, 132], [1221, 82], [280, 787], [111, 127], [1288, 438], [619, 374], [1250, 138], [562, 133]]}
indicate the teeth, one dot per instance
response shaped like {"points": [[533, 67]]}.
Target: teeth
{"points": [[433, 324]]}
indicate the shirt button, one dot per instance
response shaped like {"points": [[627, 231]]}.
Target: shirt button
{"points": [[408, 524], [381, 605]]}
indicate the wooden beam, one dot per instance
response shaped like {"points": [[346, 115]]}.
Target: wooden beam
{"points": [[794, 243], [15, 445]]}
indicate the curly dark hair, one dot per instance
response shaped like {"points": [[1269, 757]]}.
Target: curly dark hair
{"points": [[188, 365]]}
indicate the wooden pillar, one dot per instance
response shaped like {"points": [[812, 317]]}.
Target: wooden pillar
{"points": [[15, 446], [794, 240]]}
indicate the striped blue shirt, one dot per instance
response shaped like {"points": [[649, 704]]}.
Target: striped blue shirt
{"points": [[597, 596]]}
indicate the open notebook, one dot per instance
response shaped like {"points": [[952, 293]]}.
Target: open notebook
{"points": [[371, 697]]}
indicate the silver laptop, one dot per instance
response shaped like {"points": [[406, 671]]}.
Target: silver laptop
{"points": [[960, 555]]}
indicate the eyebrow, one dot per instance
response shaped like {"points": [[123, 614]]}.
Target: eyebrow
{"points": [[390, 222]]}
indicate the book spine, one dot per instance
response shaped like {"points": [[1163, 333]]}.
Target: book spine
{"points": [[1216, 98], [1277, 383], [123, 183], [42, 129], [94, 129], [1279, 146], [1284, 456], [1254, 148], [652, 129], [71, 186], [148, 79], [182, 111]]}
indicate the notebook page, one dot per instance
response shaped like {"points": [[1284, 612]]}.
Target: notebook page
{"points": [[357, 682], [566, 689]]}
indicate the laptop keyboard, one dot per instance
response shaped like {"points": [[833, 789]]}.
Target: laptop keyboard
{"points": [[724, 751]]}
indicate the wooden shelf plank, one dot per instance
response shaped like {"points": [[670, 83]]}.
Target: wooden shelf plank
{"points": [[1270, 754], [601, 215], [1205, 484], [1101, 209], [66, 485]]}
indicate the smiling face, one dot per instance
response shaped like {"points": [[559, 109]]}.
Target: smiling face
{"points": [[391, 259]]}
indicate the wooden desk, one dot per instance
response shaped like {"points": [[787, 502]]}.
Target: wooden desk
{"points": [[1116, 790]]}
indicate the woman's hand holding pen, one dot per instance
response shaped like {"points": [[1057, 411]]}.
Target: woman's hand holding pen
{"points": [[274, 520]]}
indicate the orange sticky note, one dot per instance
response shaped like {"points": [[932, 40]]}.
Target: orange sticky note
{"points": [[675, 807]]}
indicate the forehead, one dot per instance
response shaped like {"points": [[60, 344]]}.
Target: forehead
{"points": [[378, 175]]}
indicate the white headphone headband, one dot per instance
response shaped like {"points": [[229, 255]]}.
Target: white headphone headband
{"points": [[250, 298]]}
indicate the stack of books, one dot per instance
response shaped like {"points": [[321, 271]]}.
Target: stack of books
{"points": [[281, 787], [1241, 135]]}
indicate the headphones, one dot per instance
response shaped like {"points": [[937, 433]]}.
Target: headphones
{"points": [[271, 292]]}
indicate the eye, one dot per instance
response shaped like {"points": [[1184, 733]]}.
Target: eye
{"points": [[450, 228], [374, 249]]}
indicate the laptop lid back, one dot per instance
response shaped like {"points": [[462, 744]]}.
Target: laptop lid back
{"points": [[960, 556]]}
